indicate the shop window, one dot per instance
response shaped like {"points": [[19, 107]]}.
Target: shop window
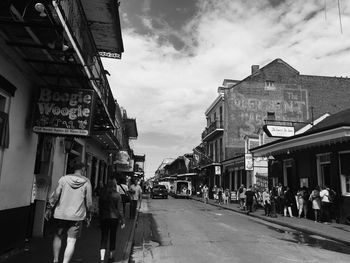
{"points": [[344, 165]]}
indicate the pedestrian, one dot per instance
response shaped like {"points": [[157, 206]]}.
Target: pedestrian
{"points": [[73, 203], [325, 204], [135, 196], [266, 201], [205, 193], [220, 192], [241, 195], [215, 193], [111, 213], [226, 196], [280, 198], [302, 198], [123, 190], [288, 202], [273, 199], [249, 200], [316, 202]]}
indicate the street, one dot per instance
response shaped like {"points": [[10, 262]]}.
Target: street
{"points": [[183, 230]]}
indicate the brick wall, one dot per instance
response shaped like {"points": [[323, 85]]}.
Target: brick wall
{"points": [[279, 88]]}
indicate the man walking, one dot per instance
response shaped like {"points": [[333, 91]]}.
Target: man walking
{"points": [[73, 201], [136, 195], [205, 192]]}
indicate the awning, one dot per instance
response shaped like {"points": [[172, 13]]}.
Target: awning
{"points": [[105, 26], [108, 140], [303, 141], [187, 174]]}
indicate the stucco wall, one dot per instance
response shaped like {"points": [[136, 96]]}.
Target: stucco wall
{"points": [[18, 162]]}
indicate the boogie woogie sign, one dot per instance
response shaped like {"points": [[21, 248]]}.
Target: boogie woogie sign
{"points": [[64, 111]]}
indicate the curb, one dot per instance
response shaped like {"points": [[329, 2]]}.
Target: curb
{"points": [[270, 220], [129, 243]]}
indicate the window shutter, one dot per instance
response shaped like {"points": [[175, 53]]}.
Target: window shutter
{"points": [[4, 130]]}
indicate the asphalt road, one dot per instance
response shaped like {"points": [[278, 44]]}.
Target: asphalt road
{"points": [[182, 230]]}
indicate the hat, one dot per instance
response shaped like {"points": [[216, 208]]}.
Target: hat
{"points": [[78, 166]]}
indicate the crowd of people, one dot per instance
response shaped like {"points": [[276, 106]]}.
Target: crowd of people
{"points": [[317, 204]]}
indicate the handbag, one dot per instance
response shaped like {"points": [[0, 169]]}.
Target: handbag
{"points": [[125, 197]]}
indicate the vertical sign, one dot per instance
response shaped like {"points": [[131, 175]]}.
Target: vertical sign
{"points": [[64, 111], [248, 161]]}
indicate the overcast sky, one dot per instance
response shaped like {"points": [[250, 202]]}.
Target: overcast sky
{"points": [[177, 53]]}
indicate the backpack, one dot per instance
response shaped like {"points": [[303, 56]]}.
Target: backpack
{"points": [[331, 195]]}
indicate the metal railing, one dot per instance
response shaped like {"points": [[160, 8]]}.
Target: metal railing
{"points": [[212, 127], [76, 19]]}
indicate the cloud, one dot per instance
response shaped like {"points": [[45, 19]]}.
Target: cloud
{"points": [[168, 86]]}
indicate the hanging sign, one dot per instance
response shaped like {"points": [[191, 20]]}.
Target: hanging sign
{"points": [[248, 160], [64, 111], [279, 131], [217, 170]]}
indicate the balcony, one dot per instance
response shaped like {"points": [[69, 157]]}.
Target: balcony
{"points": [[214, 129]]}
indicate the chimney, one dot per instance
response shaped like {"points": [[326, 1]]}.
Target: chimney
{"points": [[255, 69]]}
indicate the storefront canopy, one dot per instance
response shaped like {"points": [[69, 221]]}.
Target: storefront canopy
{"points": [[334, 129]]}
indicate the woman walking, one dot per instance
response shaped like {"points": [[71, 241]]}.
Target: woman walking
{"points": [[316, 202], [111, 212]]}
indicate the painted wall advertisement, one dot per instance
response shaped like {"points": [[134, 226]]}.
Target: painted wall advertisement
{"points": [[64, 111]]}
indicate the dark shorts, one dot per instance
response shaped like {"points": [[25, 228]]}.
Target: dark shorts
{"points": [[71, 228]]}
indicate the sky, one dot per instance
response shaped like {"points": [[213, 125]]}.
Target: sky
{"points": [[178, 52]]}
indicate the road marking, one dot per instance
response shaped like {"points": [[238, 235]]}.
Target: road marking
{"points": [[228, 226], [218, 214]]}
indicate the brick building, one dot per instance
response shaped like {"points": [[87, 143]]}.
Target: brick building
{"points": [[281, 91]]}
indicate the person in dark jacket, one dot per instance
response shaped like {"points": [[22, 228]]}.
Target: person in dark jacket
{"points": [[111, 212], [250, 196], [288, 202]]}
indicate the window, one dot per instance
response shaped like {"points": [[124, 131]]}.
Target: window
{"points": [[344, 166], [4, 120], [270, 85], [4, 124], [323, 169], [220, 114]]}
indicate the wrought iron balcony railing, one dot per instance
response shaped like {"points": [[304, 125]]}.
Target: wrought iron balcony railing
{"points": [[212, 129]]}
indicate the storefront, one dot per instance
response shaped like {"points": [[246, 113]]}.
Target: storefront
{"points": [[318, 157]]}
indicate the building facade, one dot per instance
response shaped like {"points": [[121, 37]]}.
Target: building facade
{"points": [[317, 157], [277, 90], [56, 105]]}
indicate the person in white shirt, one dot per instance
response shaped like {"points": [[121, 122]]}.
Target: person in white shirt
{"points": [[123, 190], [325, 205], [135, 195]]}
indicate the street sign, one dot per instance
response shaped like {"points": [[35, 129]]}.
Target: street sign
{"points": [[279, 131]]}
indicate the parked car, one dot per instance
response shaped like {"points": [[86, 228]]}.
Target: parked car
{"points": [[159, 191]]}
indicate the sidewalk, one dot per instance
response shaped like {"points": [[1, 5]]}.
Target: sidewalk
{"points": [[87, 248], [334, 231]]}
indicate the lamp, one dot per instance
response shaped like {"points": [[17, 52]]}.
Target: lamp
{"points": [[68, 144], [41, 9]]}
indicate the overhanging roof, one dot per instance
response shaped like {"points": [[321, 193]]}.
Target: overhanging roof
{"points": [[187, 174], [104, 23], [108, 140], [337, 134]]}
